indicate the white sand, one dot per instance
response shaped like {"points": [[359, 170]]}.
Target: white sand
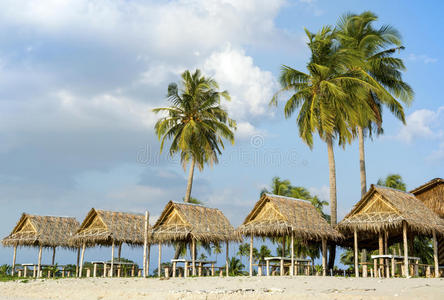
{"points": [[225, 288]]}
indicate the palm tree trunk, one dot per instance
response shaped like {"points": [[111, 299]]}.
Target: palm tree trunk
{"points": [[190, 181], [362, 161], [333, 209]]}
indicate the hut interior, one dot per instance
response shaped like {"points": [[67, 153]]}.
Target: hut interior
{"points": [[385, 216], [42, 232], [432, 194], [190, 223], [109, 228], [279, 216]]}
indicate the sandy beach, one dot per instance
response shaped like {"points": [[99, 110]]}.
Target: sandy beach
{"points": [[225, 288]]}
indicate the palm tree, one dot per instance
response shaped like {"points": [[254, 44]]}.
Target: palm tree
{"points": [[195, 122], [278, 187], [323, 98], [375, 48], [235, 266], [393, 181], [262, 253], [217, 249]]}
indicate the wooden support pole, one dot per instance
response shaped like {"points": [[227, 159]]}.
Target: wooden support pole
{"points": [[95, 270], [251, 255], [364, 261], [78, 261], [193, 256], [119, 252], [39, 262], [393, 267], [226, 260], [406, 251], [324, 257], [105, 270], [283, 246], [111, 269], [435, 254], [145, 242], [355, 238], [81, 259], [148, 256], [14, 255], [53, 255], [381, 251], [386, 251], [159, 261], [292, 254]]}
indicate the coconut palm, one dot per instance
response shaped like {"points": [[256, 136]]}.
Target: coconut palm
{"points": [[278, 187], [322, 97], [393, 181], [375, 48], [195, 122]]}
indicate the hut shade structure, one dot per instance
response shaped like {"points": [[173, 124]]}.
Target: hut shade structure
{"points": [[45, 231], [185, 222], [101, 227], [276, 216], [279, 216], [432, 195]]}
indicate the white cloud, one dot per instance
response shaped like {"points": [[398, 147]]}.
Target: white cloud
{"points": [[437, 155], [422, 123], [422, 58], [323, 192]]}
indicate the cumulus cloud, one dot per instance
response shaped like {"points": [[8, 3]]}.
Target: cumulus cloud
{"points": [[422, 123], [422, 58]]}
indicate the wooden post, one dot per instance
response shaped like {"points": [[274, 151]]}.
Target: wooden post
{"points": [[81, 259], [39, 262], [25, 271], [105, 269], [406, 251], [95, 270], [53, 255], [199, 270], [174, 269], [251, 254], [259, 270], [145, 242], [111, 269], [435, 254], [148, 257], [283, 246], [13, 260], [268, 267], [282, 266], [185, 271], [193, 256], [212, 270], [355, 238], [78, 260], [159, 261], [226, 260], [381, 252], [375, 267], [88, 272], [393, 267], [34, 271], [119, 252], [386, 251], [324, 257], [167, 272], [292, 254], [364, 261]]}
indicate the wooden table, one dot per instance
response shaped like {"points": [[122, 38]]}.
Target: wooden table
{"points": [[118, 265], [393, 259], [188, 263], [282, 260]]}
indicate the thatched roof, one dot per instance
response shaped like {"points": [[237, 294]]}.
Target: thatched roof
{"points": [[46, 231], [184, 221], [432, 194], [384, 209], [275, 215], [100, 227]]}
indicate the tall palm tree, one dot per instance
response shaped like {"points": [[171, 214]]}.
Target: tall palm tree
{"points": [[323, 98], [195, 122], [393, 181], [375, 48], [278, 187]]}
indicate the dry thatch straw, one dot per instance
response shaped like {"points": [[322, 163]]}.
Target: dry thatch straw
{"points": [[432, 194], [384, 209], [45, 231], [275, 216], [184, 222], [101, 227]]}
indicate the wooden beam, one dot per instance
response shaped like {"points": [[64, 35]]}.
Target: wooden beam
{"points": [[159, 261], [39, 262], [81, 259], [14, 255], [193, 256], [381, 252], [119, 252], [355, 238], [406, 251], [148, 260], [53, 255], [292, 254], [226, 260], [251, 255], [324, 257], [435, 254], [145, 242], [111, 270]]}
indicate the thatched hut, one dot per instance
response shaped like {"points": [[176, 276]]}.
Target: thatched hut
{"points": [[42, 232], [432, 194], [385, 212], [190, 223], [108, 228], [279, 216]]}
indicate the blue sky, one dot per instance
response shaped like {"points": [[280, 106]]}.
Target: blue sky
{"points": [[78, 80]]}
